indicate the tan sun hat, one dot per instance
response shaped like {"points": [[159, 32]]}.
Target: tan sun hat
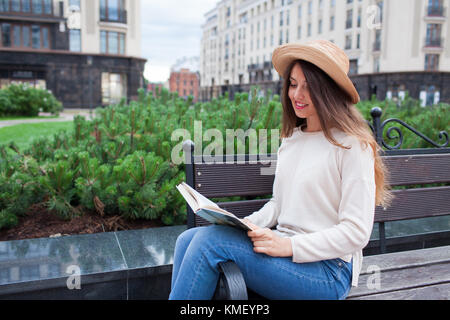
{"points": [[323, 54]]}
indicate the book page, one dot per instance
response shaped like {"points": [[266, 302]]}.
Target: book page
{"points": [[202, 201], [207, 209], [192, 202]]}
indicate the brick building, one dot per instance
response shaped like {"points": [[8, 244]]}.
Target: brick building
{"points": [[185, 82]]}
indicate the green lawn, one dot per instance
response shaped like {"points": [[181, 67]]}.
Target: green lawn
{"points": [[23, 134]]}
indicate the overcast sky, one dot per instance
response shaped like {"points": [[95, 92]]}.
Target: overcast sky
{"points": [[171, 29]]}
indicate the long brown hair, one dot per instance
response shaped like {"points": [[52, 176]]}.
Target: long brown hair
{"points": [[334, 109]]}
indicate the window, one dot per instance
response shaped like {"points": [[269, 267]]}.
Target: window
{"points": [[353, 67], [6, 35], [44, 38], [112, 42], [435, 8], [431, 62], [16, 36], [35, 6], [376, 65], [75, 3], [48, 6], [25, 36], [433, 38], [15, 6], [348, 42], [4, 5], [349, 20], [112, 10], [114, 87], [35, 37], [75, 40]]}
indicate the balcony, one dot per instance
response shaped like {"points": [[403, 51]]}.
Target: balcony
{"points": [[434, 42]]}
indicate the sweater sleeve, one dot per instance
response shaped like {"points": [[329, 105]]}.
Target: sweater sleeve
{"points": [[267, 216], [355, 214]]}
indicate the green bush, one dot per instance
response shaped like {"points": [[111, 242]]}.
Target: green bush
{"points": [[120, 162], [23, 100]]}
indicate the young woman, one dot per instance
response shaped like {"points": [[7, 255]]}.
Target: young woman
{"points": [[307, 240]]}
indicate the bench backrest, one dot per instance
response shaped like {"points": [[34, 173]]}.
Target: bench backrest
{"points": [[254, 178], [217, 180]]}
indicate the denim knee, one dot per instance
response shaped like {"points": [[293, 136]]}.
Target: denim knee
{"points": [[185, 237]]}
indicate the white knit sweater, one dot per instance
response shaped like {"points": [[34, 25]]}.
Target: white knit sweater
{"points": [[323, 198]]}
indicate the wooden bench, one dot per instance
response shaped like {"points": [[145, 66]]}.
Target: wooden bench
{"points": [[252, 179], [422, 274]]}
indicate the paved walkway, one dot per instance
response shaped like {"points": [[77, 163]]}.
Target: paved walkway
{"points": [[66, 115]]}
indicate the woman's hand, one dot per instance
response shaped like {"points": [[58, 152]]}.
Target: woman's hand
{"points": [[266, 241]]}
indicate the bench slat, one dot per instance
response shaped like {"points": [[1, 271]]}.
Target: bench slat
{"points": [[408, 204], [416, 203], [233, 179], [405, 270], [418, 169], [433, 292], [221, 180], [403, 279], [412, 258]]}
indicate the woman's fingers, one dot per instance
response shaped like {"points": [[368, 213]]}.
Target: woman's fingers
{"points": [[259, 233]]}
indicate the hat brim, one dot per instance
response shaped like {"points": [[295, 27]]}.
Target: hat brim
{"points": [[283, 57]]}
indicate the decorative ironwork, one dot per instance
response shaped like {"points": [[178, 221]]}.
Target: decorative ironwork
{"points": [[442, 135], [378, 129]]}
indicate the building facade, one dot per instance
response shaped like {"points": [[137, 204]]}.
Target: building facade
{"points": [[394, 46], [184, 77], [86, 52], [185, 82]]}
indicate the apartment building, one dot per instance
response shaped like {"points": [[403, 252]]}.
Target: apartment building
{"points": [[87, 52], [184, 77], [394, 46], [185, 82]]}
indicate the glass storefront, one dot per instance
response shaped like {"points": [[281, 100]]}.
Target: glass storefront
{"points": [[114, 87]]}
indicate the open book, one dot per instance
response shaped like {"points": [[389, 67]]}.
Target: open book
{"points": [[208, 210]]}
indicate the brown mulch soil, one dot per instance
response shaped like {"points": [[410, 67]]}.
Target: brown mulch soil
{"points": [[38, 222]]}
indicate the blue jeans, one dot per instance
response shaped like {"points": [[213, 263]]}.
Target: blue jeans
{"points": [[199, 250]]}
